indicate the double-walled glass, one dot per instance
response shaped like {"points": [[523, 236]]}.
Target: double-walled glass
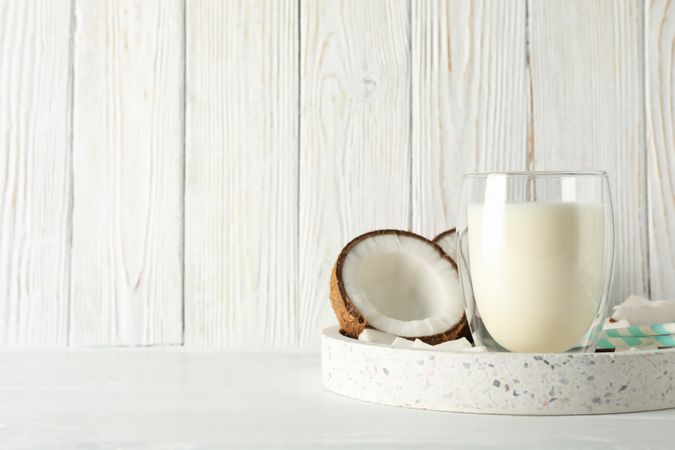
{"points": [[535, 254]]}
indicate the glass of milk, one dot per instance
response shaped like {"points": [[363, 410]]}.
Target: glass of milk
{"points": [[535, 254]]}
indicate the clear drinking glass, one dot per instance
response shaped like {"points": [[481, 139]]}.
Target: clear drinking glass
{"points": [[535, 254]]}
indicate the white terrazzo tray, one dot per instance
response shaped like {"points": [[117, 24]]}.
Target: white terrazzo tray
{"points": [[498, 383]]}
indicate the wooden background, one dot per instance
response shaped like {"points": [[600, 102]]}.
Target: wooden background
{"points": [[185, 172]]}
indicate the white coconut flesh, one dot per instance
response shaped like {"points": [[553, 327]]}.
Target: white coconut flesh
{"points": [[403, 285]]}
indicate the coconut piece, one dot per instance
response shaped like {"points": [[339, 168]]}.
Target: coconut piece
{"points": [[614, 324], [447, 240], [458, 345], [376, 337], [641, 311], [418, 343], [454, 346], [403, 343], [636, 349], [478, 349], [400, 342], [399, 283]]}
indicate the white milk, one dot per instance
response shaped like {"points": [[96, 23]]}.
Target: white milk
{"points": [[537, 272]]}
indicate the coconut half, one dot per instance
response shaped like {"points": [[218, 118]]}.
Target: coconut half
{"points": [[400, 283], [447, 240]]}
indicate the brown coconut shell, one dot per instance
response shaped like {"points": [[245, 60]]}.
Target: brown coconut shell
{"points": [[444, 234], [352, 322]]}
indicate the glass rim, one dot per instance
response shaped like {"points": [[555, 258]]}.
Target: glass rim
{"points": [[538, 173]]}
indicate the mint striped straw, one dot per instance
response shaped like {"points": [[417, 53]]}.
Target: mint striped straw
{"points": [[625, 342], [655, 335], [657, 329]]}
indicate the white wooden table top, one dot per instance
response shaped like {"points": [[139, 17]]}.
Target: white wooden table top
{"points": [[171, 398]]}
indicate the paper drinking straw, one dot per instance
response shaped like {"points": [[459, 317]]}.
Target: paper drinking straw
{"points": [[657, 329], [632, 341]]}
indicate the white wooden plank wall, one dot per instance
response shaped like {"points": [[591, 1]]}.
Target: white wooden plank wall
{"points": [[241, 174], [660, 107], [127, 173], [221, 153], [35, 167]]}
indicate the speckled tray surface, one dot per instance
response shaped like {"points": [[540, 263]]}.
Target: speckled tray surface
{"points": [[498, 383]]}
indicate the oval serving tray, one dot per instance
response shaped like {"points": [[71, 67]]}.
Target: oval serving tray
{"points": [[498, 383]]}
